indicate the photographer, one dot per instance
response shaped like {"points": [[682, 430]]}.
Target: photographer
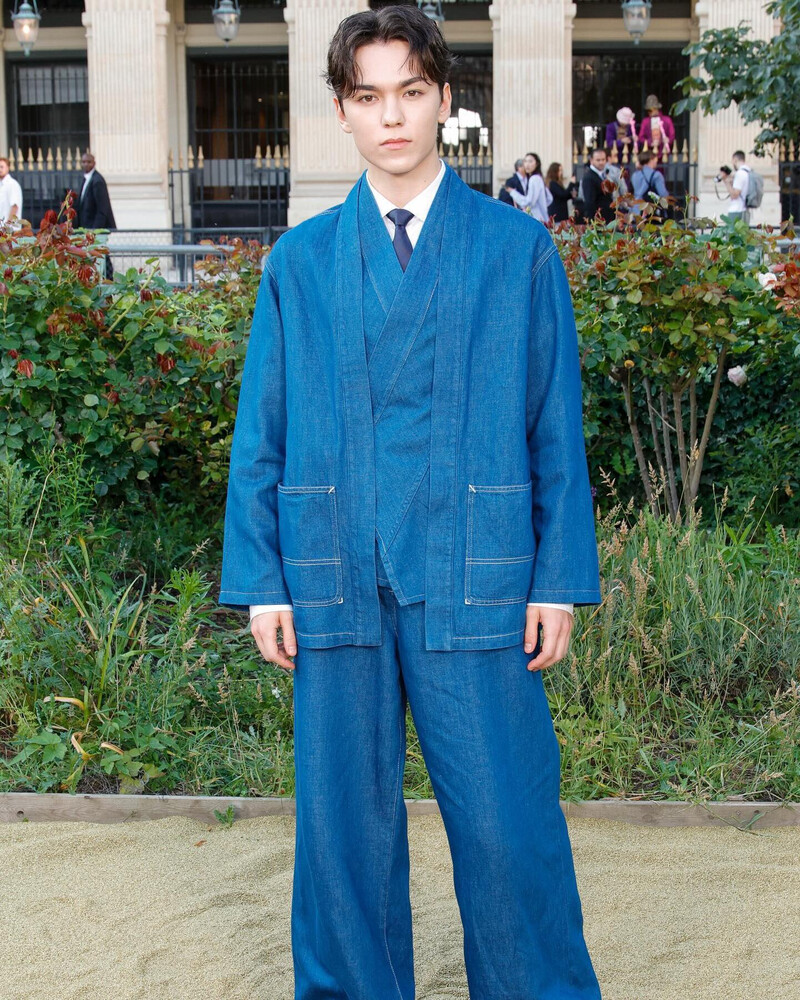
{"points": [[737, 182]]}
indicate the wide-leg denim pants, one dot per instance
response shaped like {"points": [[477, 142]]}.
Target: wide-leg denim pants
{"points": [[487, 738]]}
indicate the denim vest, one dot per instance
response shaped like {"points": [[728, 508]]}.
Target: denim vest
{"points": [[401, 389]]}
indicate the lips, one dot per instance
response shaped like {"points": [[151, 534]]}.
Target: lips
{"points": [[395, 143]]}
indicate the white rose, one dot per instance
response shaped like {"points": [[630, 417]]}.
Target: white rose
{"points": [[737, 375], [768, 279]]}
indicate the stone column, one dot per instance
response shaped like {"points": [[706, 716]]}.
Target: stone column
{"points": [[324, 160], [719, 135], [127, 71], [532, 69]]}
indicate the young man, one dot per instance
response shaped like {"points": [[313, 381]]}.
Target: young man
{"points": [[597, 188], [648, 180], [408, 475], [737, 185], [10, 197]]}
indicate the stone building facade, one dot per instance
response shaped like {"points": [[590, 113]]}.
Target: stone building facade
{"points": [[142, 81]]}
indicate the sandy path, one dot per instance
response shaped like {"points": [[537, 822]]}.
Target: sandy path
{"points": [[138, 911]]}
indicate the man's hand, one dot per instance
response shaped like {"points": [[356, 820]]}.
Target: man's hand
{"points": [[556, 630], [265, 631]]}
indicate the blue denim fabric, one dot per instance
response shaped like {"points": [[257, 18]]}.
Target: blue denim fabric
{"points": [[487, 738], [328, 449]]}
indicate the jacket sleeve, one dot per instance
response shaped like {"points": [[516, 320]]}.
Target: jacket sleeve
{"points": [[252, 571], [565, 566]]}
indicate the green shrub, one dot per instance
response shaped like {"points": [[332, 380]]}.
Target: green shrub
{"points": [[141, 375]]}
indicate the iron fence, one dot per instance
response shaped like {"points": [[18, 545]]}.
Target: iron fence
{"points": [[677, 167], [789, 177]]}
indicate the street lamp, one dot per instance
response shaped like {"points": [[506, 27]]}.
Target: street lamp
{"points": [[26, 24], [636, 15], [431, 9], [226, 14]]}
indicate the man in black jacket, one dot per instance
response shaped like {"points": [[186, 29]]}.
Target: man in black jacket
{"points": [[94, 206], [517, 180], [597, 191]]}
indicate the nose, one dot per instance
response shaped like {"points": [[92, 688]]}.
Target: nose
{"points": [[392, 112]]}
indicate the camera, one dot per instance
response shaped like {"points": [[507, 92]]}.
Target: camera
{"points": [[722, 170]]}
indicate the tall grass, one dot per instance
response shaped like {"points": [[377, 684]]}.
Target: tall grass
{"points": [[119, 672]]}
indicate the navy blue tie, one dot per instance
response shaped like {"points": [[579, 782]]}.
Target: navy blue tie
{"points": [[402, 244]]}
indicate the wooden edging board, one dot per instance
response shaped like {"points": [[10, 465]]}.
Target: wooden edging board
{"points": [[18, 807]]}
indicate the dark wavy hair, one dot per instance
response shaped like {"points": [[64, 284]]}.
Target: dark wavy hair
{"points": [[428, 55]]}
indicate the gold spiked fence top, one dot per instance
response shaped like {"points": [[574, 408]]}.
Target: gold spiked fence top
{"points": [[628, 156], [278, 158], [63, 160]]}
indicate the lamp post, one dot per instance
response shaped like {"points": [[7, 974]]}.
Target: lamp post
{"points": [[636, 15], [226, 14], [25, 19], [431, 9]]}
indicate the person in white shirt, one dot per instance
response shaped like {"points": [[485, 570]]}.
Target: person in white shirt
{"points": [[420, 206], [10, 197], [738, 184]]}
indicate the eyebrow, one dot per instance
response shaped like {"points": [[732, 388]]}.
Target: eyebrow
{"points": [[404, 83]]}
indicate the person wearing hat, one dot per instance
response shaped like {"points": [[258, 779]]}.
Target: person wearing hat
{"points": [[622, 133], [657, 129]]}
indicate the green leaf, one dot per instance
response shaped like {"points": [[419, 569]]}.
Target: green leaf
{"points": [[90, 399]]}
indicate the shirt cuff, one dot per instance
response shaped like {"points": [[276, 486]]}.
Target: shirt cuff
{"points": [[547, 604], [257, 609]]}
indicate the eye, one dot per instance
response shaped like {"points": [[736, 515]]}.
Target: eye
{"points": [[360, 99], [413, 92]]}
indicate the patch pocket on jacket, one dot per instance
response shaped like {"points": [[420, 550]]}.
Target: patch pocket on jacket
{"points": [[308, 533], [500, 544]]}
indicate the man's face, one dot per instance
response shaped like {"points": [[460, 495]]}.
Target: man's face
{"points": [[599, 160], [3, 169], [87, 163], [392, 103], [530, 164]]}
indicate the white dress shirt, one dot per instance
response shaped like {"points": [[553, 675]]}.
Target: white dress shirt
{"points": [[86, 179], [420, 205]]}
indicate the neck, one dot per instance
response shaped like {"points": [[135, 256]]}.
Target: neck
{"points": [[401, 188]]}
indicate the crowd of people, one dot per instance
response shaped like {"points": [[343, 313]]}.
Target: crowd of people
{"points": [[606, 178]]}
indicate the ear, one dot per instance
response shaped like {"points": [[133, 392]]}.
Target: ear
{"points": [[340, 116], [446, 103]]}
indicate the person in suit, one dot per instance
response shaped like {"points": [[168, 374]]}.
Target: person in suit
{"points": [[93, 210], [597, 189], [409, 504], [518, 181]]}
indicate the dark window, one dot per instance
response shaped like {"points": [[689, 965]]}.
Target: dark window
{"points": [[55, 13], [611, 8], [453, 10], [237, 104], [604, 82], [471, 87], [199, 11], [48, 104]]}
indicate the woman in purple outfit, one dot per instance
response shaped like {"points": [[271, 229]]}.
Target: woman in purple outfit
{"points": [[622, 134]]}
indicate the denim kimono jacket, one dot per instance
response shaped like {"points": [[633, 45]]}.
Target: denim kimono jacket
{"points": [[422, 426]]}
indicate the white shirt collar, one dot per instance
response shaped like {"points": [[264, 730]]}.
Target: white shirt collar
{"points": [[419, 205], [87, 176]]}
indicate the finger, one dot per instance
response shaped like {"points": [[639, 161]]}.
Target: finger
{"points": [[287, 627], [532, 620], [267, 639], [550, 641]]}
